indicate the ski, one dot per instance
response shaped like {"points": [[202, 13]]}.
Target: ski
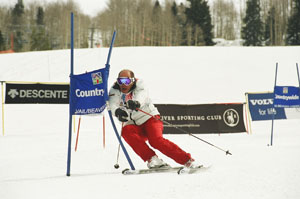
{"points": [[148, 171], [180, 170], [185, 170]]}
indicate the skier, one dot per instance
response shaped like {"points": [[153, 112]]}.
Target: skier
{"points": [[126, 96]]}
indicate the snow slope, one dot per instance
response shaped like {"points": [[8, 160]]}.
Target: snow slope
{"points": [[33, 151]]}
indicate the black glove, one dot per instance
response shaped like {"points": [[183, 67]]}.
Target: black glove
{"points": [[121, 115], [133, 105]]}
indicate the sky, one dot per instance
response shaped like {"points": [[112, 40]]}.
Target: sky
{"points": [[89, 7]]}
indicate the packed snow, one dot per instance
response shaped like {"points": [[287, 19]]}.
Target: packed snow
{"points": [[33, 149]]}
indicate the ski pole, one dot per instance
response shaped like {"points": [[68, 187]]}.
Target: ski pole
{"points": [[184, 131], [118, 154]]}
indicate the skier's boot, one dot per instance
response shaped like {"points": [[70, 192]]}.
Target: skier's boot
{"points": [[155, 163]]}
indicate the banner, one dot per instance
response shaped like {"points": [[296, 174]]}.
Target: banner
{"points": [[36, 93], [287, 96], [89, 92], [202, 119], [261, 107]]}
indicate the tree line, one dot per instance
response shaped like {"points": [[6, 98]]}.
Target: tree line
{"points": [[148, 23], [42, 26], [46, 26]]}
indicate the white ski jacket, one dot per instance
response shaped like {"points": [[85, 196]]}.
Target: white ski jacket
{"points": [[138, 93]]}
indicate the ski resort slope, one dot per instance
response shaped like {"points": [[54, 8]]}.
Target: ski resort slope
{"points": [[33, 150]]}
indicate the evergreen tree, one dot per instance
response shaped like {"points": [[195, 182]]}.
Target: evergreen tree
{"points": [[156, 19], [174, 9], [39, 39], [17, 13], [198, 16], [252, 31], [40, 17], [293, 31], [2, 42], [17, 23]]}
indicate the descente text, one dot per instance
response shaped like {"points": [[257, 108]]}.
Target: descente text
{"points": [[43, 94]]}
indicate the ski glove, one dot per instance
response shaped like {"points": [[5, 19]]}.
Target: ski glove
{"points": [[133, 105], [121, 115]]}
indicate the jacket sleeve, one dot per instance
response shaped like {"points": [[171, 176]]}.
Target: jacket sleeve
{"points": [[141, 94]]}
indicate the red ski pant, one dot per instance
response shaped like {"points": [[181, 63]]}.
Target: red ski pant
{"points": [[151, 131]]}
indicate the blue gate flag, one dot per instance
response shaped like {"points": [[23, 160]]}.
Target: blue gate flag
{"points": [[286, 96], [88, 92], [261, 107]]}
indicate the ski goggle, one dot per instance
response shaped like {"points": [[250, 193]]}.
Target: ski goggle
{"points": [[125, 80]]}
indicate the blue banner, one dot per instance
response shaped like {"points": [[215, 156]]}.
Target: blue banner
{"points": [[89, 92], [287, 96], [261, 107]]}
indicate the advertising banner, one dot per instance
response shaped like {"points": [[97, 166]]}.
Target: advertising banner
{"points": [[261, 107], [287, 97], [203, 118], [89, 92], [36, 93]]}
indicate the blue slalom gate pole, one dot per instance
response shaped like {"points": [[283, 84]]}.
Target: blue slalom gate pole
{"points": [[109, 111], [273, 109], [298, 74], [70, 114], [110, 50]]}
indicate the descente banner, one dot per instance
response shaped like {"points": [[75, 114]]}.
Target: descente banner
{"points": [[36, 93], [202, 118]]}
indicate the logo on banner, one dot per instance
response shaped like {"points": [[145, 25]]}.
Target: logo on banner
{"points": [[261, 102], [97, 78], [34, 93], [13, 93], [231, 117]]}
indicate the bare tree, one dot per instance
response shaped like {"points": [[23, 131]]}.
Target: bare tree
{"points": [[276, 14], [225, 19], [57, 20]]}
